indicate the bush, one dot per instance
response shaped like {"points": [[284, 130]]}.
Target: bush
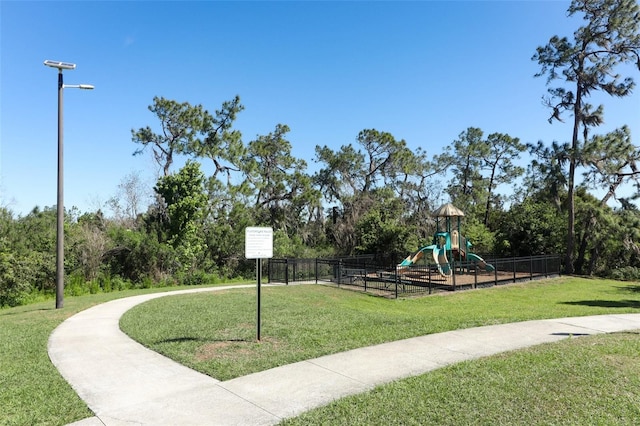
{"points": [[118, 283], [627, 273], [146, 283], [192, 278], [12, 286], [21, 275], [138, 255], [76, 285], [94, 286], [105, 283], [109, 283]]}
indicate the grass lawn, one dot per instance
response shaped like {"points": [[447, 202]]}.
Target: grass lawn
{"points": [[215, 333], [32, 392], [592, 380]]}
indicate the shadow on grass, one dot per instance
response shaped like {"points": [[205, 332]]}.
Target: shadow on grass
{"points": [[26, 311], [630, 288], [199, 339], [570, 334], [635, 304]]}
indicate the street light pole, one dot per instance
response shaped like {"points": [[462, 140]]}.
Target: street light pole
{"points": [[60, 200]]}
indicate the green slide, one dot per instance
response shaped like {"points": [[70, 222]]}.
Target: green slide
{"points": [[480, 261]]}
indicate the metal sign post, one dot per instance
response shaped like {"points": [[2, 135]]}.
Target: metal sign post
{"points": [[258, 316], [258, 245]]}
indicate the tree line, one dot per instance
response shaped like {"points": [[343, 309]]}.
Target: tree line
{"points": [[373, 195]]}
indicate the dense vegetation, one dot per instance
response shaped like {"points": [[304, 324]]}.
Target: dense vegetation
{"points": [[374, 195]]}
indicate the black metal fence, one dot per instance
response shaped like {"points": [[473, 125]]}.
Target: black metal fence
{"points": [[367, 274]]}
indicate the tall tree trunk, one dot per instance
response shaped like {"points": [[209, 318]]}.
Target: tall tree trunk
{"points": [[573, 160], [568, 260], [595, 255], [582, 250], [489, 191], [589, 230]]}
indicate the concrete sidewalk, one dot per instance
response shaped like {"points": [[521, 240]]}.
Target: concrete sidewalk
{"points": [[122, 382]]}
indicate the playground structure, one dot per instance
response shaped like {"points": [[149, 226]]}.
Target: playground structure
{"points": [[446, 265], [449, 248], [366, 273]]}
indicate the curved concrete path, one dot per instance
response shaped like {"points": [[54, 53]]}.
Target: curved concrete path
{"points": [[124, 383]]}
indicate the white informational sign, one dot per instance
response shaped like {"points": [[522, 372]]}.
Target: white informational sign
{"points": [[258, 242]]}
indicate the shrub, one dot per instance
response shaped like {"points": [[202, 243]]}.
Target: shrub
{"points": [[192, 278], [627, 273], [118, 283], [76, 285], [147, 283], [94, 286]]}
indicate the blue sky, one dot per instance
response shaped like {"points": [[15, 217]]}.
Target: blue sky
{"points": [[423, 71]]}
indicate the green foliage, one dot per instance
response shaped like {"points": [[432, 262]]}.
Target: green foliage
{"points": [[281, 189], [481, 237], [13, 284], [138, 255], [467, 189], [546, 177], [374, 196], [531, 228], [385, 236], [182, 124], [85, 246], [626, 273], [479, 166], [184, 198], [222, 144], [290, 246], [613, 242], [198, 278], [225, 237], [499, 162], [27, 255], [75, 285], [383, 170], [612, 161], [185, 201], [610, 38]]}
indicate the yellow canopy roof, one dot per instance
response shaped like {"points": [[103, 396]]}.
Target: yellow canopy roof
{"points": [[447, 210]]}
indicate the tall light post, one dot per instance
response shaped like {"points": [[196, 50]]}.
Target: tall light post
{"points": [[60, 203]]}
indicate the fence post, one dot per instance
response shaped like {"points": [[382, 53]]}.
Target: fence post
{"points": [[546, 266], [295, 270], [396, 280], [475, 276], [316, 271], [531, 268], [429, 274], [453, 273], [286, 271], [269, 270], [546, 275], [495, 273], [514, 269], [364, 276], [339, 277]]}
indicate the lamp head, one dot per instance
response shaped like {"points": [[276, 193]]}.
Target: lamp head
{"points": [[60, 65]]}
